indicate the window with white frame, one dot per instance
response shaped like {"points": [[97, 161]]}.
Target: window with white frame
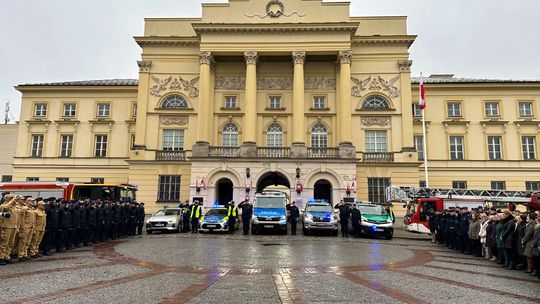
{"points": [[532, 186], [66, 145], [40, 110], [230, 102], [417, 112], [7, 178], [376, 141], [37, 145], [492, 109], [169, 188], [274, 102], [459, 185], [103, 110], [132, 141], [525, 109], [174, 101], [454, 109], [101, 146], [456, 148], [97, 180], [375, 102], [32, 179], [173, 140], [419, 145], [319, 102], [528, 145], [319, 136], [70, 109], [230, 135], [134, 110], [377, 189], [274, 135], [62, 179], [498, 185], [495, 147]]}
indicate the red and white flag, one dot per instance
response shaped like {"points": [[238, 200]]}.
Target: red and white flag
{"points": [[422, 101]]}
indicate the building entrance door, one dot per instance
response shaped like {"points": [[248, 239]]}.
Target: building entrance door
{"points": [[323, 191], [224, 191]]}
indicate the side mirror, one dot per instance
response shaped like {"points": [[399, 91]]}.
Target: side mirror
{"points": [[303, 210]]}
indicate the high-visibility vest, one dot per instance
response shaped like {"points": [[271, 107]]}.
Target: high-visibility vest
{"points": [[392, 216], [197, 211], [232, 211]]}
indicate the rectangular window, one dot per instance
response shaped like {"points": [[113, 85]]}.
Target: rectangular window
{"points": [[97, 180], [417, 112], [498, 185], [376, 141], [66, 145], [230, 102], [70, 110], [275, 102], [7, 178], [103, 110], [62, 179], [134, 110], [492, 109], [525, 109], [37, 145], [377, 189], [169, 188], [132, 141], [459, 185], [419, 145], [40, 110], [528, 145], [319, 102], [32, 179], [495, 147], [456, 148], [422, 184], [101, 146], [173, 140], [532, 186], [454, 109]]}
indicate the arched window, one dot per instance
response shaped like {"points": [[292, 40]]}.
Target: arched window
{"points": [[230, 135], [375, 102], [319, 136], [174, 102], [274, 135]]}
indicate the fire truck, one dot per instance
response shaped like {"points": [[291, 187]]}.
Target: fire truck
{"points": [[419, 201], [72, 191]]}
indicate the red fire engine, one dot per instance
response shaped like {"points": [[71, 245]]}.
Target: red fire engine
{"points": [[72, 191], [418, 202]]}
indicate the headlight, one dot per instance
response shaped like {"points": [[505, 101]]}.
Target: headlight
{"points": [[335, 217], [148, 221], [389, 220], [253, 217], [309, 216], [283, 217], [364, 219]]}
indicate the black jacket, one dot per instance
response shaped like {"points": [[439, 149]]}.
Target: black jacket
{"points": [[294, 212], [52, 216], [64, 218], [247, 210], [356, 215], [75, 217], [508, 232], [344, 211], [90, 216]]}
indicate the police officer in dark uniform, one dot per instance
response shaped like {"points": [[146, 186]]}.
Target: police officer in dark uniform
{"points": [[294, 214], [232, 213], [98, 237], [82, 222], [117, 219], [49, 238], [247, 213], [356, 218], [140, 218], [344, 213], [64, 227], [185, 216], [464, 231], [196, 212], [75, 225], [123, 220], [90, 223], [133, 210], [107, 219]]}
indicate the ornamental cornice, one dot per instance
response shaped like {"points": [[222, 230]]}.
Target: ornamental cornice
{"points": [[251, 57], [405, 65], [345, 57], [166, 41], [144, 65], [274, 27], [378, 40], [299, 57], [179, 121], [376, 121]]}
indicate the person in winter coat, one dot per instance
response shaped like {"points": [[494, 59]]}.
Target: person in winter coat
{"points": [[527, 241], [473, 233], [484, 222], [536, 247], [518, 242], [491, 240], [499, 227], [509, 226]]}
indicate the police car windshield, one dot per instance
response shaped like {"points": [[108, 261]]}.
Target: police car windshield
{"points": [[373, 210], [168, 212], [269, 202], [217, 212], [318, 208]]}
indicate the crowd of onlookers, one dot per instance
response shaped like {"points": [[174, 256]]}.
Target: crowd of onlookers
{"points": [[31, 228], [510, 239]]}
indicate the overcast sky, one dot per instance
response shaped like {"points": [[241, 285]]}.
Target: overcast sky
{"points": [[57, 40]]}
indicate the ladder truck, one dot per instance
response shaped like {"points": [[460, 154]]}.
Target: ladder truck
{"points": [[419, 201]]}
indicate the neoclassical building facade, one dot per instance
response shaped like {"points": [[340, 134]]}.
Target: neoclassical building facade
{"points": [[296, 93]]}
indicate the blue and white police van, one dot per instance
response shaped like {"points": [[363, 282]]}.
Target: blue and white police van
{"points": [[269, 213]]}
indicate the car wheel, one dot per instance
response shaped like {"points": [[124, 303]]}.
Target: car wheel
{"points": [[390, 235], [148, 231], [305, 232]]}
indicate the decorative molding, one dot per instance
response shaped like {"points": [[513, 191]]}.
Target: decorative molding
{"points": [[376, 121], [205, 58], [375, 84], [274, 83], [319, 83], [405, 65], [345, 57], [251, 57], [175, 84], [166, 41], [179, 121], [274, 9], [232, 83], [144, 66], [299, 57], [238, 83]]}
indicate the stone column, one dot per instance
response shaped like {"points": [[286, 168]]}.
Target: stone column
{"points": [[344, 106], [298, 127], [142, 104], [250, 116], [406, 105], [203, 134]]}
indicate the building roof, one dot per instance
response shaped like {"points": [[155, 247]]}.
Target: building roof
{"points": [[99, 82], [450, 79]]}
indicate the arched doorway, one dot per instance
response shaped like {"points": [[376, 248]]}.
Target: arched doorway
{"points": [[224, 191], [323, 190], [274, 181]]}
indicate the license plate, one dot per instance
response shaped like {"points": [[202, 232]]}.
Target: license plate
{"points": [[379, 229], [268, 226], [211, 226], [159, 225], [321, 225]]}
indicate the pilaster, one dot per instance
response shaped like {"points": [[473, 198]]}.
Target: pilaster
{"points": [[406, 103], [250, 117], [203, 130], [298, 127], [344, 106], [142, 104]]}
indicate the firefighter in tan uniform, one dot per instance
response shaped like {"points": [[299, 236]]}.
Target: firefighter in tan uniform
{"points": [[39, 229], [28, 218], [19, 213], [9, 228]]}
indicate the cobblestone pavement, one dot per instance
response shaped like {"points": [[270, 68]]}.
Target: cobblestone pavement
{"points": [[186, 268]]}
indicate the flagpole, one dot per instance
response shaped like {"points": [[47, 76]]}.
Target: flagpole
{"points": [[426, 173]]}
